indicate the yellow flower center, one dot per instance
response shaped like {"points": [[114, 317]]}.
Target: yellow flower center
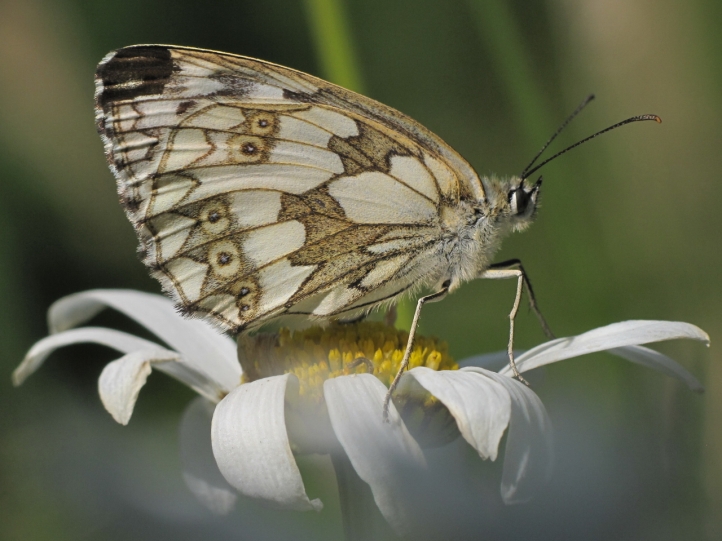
{"points": [[319, 353]]}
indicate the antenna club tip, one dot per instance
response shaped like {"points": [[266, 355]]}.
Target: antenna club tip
{"points": [[657, 119]]}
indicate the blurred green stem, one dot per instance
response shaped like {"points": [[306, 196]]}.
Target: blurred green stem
{"points": [[504, 44], [331, 34]]}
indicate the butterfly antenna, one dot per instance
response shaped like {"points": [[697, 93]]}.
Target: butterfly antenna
{"points": [[578, 110], [639, 118]]}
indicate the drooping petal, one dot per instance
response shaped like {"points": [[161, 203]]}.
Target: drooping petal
{"points": [[616, 335], [528, 457], [120, 341], [251, 445], [200, 470], [383, 453], [209, 351], [660, 362], [127, 368], [480, 405], [121, 381]]}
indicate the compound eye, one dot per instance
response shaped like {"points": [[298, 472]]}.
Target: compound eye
{"points": [[518, 201]]}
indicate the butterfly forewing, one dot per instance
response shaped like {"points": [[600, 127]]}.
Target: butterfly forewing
{"points": [[258, 191]]}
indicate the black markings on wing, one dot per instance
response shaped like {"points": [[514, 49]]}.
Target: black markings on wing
{"points": [[135, 72]]}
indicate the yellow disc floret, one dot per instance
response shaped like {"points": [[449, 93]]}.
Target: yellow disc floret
{"points": [[319, 353]]}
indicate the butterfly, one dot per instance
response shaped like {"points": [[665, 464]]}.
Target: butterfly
{"points": [[259, 192]]}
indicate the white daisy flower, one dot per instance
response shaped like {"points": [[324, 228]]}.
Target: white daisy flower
{"points": [[307, 393]]}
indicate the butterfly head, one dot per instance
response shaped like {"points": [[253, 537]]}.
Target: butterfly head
{"points": [[514, 201]]}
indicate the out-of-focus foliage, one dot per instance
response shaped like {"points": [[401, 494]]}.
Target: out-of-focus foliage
{"points": [[629, 228]]}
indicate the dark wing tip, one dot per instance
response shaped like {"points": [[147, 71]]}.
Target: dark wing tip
{"points": [[130, 72]]}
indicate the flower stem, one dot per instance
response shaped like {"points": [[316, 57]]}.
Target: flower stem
{"points": [[504, 42], [331, 33], [362, 520]]}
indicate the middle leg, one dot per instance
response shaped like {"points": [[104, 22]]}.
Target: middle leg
{"points": [[434, 297], [514, 269]]}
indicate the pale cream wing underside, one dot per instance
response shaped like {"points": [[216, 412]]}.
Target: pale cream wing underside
{"points": [[258, 191]]}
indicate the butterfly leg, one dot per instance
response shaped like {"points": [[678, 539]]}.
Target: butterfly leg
{"points": [[514, 269], [434, 297], [515, 264]]}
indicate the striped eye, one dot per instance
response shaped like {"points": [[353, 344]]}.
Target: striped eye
{"points": [[523, 202], [518, 201]]}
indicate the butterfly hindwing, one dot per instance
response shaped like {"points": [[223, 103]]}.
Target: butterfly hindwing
{"points": [[257, 190]]}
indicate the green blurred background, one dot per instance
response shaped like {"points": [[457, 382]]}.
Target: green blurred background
{"points": [[629, 229]]}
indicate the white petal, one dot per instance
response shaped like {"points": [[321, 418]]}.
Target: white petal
{"points": [[480, 405], [383, 454], [200, 470], [208, 350], [528, 456], [657, 361], [121, 381], [251, 445], [625, 333], [118, 340]]}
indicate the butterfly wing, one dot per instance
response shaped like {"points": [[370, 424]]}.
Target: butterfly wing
{"points": [[258, 191]]}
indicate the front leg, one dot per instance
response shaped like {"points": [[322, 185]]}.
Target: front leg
{"points": [[514, 269], [434, 297]]}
